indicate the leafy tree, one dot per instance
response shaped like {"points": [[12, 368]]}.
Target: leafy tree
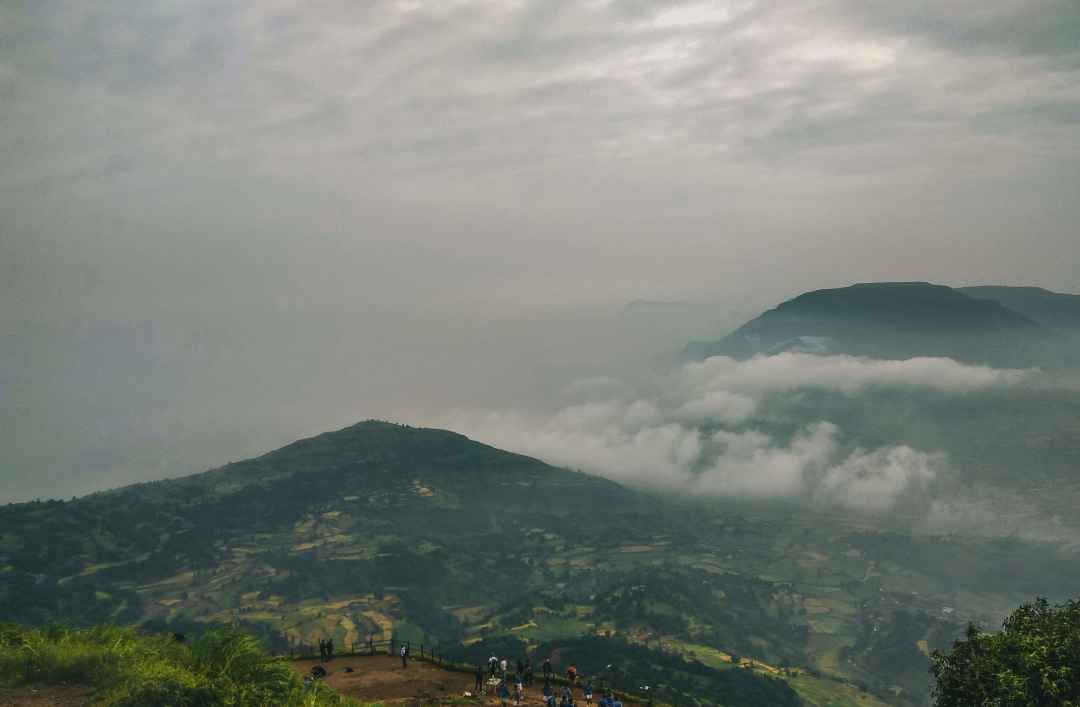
{"points": [[1035, 660]]}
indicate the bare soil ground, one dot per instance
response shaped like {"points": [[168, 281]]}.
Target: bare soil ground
{"points": [[381, 678], [57, 696]]}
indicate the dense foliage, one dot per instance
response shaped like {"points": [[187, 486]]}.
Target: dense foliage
{"points": [[222, 668], [1035, 660]]}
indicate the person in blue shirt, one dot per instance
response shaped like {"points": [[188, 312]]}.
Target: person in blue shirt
{"points": [[588, 692], [504, 694]]}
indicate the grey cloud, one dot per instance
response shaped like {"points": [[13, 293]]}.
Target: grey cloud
{"points": [[1039, 27], [328, 192]]}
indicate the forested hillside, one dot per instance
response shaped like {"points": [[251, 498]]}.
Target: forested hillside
{"points": [[382, 531]]}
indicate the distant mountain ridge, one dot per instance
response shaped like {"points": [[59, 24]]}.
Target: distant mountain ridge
{"points": [[1053, 309], [895, 320]]}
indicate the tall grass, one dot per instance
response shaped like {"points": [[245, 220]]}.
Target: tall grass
{"points": [[223, 668]]}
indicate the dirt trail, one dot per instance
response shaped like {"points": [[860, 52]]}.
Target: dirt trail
{"points": [[381, 678], [377, 678]]}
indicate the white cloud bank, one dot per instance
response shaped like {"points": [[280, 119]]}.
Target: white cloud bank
{"points": [[846, 374], [697, 434]]}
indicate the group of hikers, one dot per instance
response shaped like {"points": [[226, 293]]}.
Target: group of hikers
{"points": [[498, 675]]}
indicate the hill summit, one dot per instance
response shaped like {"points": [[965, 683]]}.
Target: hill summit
{"points": [[890, 320], [356, 510]]}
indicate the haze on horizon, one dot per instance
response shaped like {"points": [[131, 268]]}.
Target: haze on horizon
{"points": [[227, 225]]}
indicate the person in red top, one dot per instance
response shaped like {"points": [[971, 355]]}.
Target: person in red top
{"points": [[571, 674]]}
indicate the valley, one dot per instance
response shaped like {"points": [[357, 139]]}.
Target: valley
{"points": [[383, 531]]}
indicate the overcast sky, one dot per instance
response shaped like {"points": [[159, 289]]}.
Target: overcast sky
{"points": [[227, 223]]}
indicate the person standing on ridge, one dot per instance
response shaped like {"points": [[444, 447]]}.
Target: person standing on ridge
{"points": [[479, 688], [404, 655], [547, 669]]}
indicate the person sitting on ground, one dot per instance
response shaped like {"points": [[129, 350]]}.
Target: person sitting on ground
{"points": [[318, 672]]}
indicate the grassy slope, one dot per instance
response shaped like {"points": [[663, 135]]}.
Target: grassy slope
{"points": [[128, 669]]}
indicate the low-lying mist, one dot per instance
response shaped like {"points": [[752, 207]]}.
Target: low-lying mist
{"points": [[774, 428]]}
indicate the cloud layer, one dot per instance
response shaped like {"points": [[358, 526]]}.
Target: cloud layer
{"points": [[703, 430]]}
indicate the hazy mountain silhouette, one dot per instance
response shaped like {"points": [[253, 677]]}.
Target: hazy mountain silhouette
{"points": [[1053, 309], [891, 320]]}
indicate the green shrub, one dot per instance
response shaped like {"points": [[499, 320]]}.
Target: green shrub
{"points": [[174, 694]]}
